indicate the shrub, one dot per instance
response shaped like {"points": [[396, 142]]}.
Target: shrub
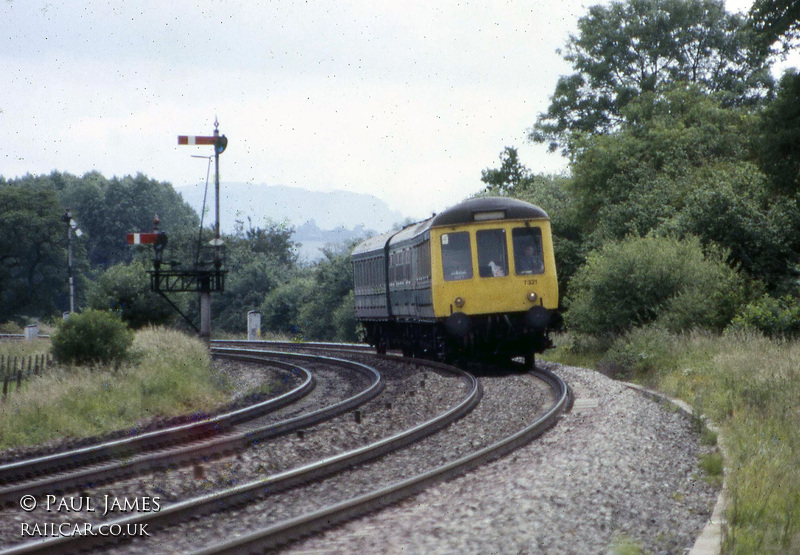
{"points": [[125, 289], [772, 317], [93, 336], [663, 280], [639, 353]]}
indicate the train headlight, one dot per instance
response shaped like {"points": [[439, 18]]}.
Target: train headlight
{"points": [[532, 296], [459, 302]]}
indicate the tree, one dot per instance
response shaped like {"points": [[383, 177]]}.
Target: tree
{"points": [[257, 260], [506, 179], [632, 180], [776, 20], [125, 290], [778, 140], [631, 48], [33, 253]]}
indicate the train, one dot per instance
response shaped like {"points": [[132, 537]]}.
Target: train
{"points": [[474, 282]]}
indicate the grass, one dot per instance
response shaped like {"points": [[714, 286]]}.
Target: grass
{"points": [[20, 348], [750, 387], [169, 374]]}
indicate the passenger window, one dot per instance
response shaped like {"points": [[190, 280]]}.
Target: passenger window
{"points": [[528, 257], [492, 257], [456, 256]]}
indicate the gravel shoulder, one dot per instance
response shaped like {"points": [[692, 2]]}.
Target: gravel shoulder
{"points": [[618, 466]]}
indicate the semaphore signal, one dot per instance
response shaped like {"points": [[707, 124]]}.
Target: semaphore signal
{"points": [[201, 279]]}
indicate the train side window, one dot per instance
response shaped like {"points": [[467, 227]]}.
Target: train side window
{"points": [[456, 256], [492, 253], [528, 257]]}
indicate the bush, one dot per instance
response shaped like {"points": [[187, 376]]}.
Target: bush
{"points": [[663, 280], [125, 289], [93, 336], [772, 317], [638, 354]]}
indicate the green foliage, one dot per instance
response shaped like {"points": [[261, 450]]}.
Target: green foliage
{"points": [[653, 279], [636, 47], [33, 254], [775, 20], [108, 209], [344, 320], [169, 376], [280, 310], [125, 290], [318, 305], [639, 176], [638, 354], [506, 179], [92, 337], [332, 283], [778, 137], [732, 207], [774, 317], [258, 260]]}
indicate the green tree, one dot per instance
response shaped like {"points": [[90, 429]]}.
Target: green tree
{"points": [[778, 139], [281, 308], [257, 261], [129, 205], [125, 290], [731, 206], [776, 20], [333, 281], [33, 253], [505, 179], [635, 179], [635, 47]]}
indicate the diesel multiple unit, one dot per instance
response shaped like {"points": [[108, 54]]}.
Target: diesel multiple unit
{"points": [[478, 279]]}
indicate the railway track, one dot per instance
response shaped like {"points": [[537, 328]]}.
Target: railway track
{"points": [[244, 494], [183, 444]]}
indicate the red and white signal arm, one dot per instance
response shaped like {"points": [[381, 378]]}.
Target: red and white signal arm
{"points": [[196, 140], [142, 238]]}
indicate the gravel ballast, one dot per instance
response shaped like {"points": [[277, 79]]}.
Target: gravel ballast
{"points": [[619, 467]]}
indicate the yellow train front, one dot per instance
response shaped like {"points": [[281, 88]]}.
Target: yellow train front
{"points": [[477, 280]]}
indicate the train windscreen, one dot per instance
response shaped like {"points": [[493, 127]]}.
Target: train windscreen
{"points": [[492, 253], [456, 256], [528, 257]]}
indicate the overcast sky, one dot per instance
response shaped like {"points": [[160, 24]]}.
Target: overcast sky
{"points": [[407, 100]]}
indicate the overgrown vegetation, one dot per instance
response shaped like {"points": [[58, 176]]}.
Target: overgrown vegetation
{"points": [[168, 375], [92, 337], [748, 385]]}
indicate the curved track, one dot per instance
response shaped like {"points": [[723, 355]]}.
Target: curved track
{"points": [[69, 470], [281, 532]]}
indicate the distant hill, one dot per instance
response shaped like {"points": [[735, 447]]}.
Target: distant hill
{"points": [[318, 218]]}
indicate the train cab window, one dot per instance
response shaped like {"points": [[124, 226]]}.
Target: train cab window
{"points": [[456, 256], [528, 257], [492, 253]]}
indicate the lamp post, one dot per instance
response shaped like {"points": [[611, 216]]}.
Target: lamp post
{"points": [[72, 227]]}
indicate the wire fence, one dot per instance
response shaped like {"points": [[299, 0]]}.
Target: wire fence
{"points": [[15, 369]]}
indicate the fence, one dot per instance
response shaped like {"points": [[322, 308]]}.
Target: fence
{"points": [[15, 369]]}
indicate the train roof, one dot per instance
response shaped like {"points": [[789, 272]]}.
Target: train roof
{"points": [[494, 208], [468, 211]]}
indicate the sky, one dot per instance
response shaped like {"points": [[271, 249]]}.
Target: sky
{"points": [[405, 100]]}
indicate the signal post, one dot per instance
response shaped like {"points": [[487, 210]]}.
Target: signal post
{"points": [[207, 276]]}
